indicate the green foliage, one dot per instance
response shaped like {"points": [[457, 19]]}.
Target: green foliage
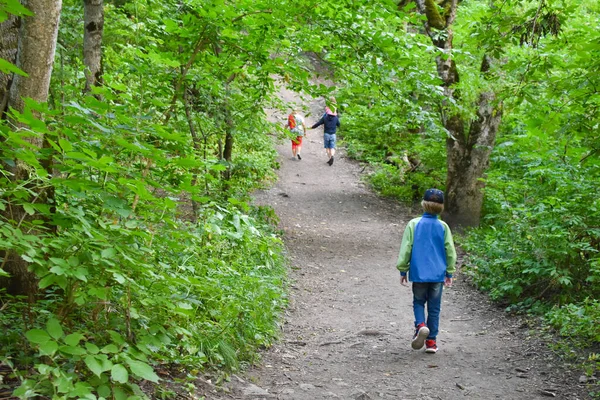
{"points": [[135, 220], [148, 256], [12, 7], [388, 92], [539, 246], [578, 322], [132, 285], [544, 245]]}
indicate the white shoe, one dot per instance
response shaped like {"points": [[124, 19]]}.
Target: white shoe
{"points": [[421, 334]]}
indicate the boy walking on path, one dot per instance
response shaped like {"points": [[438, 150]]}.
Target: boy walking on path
{"points": [[330, 122], [297, 127], [428, 255]]}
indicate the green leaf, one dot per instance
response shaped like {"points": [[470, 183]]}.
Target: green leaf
{"points": [[60, 262], [105, 362], [83, 390], [48, 348], [29, 209], [118, 277], [16, 8], [108, 253], [143, 370], [119, 374], [72, 350], [110, 348], [104, 391], [119, 394], [92, 348], [37, 336], [54, 328], [81, 274], [8, 68], [47, 281], [93, 364], [116, 338], [65, 145], [74, 339], [73, 261]]}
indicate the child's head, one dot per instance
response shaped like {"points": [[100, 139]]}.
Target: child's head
{"points": [[331, 106], [433, 201]]}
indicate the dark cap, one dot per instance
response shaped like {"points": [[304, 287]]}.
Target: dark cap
{"points": [[434, 195]]}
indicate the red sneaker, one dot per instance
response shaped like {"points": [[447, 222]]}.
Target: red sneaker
{"points": [[430, 346], [421, 333]]}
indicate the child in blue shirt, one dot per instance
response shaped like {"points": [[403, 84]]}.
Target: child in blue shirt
{"points": [[428, 255]]}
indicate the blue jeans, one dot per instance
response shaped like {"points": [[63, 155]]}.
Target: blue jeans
{"points": [[430, 293], [329, 140]]}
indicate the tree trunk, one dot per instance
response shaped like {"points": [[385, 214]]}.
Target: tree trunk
{"points": [[35, 56], [9, 40], [93, 16], [228, 150], [468, 157], [468, 147]]}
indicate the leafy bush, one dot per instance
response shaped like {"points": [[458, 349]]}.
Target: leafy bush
{"points": [[541, 238], [131, 284], [579, 322]]}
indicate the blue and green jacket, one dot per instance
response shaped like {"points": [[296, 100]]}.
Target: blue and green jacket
{"points": [[427, 252]]}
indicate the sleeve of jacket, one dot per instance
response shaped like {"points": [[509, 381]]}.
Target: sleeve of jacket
{"points": [[450, 252], [406, 249], [319, 123], [337, 122]]}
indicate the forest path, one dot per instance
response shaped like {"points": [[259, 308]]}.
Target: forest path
{"points": [[347, 331]]}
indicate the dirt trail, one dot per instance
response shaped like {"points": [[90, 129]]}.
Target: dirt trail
{"points": [[348, 328]]}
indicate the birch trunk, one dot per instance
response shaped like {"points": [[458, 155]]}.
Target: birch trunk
{"points": [[35, 56], [93, 16]]}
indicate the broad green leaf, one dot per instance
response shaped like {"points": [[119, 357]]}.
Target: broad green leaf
{"points": [[73, 339], [101, 293], [116, 338], [37, 336], [48, 348], [93, 364], [63, 384], [119, 373], [8, 68], [29, 209], [57, 270], [118, 277], [26, 390], [119, 394], [105, 362], [54, 328], [65, 145], [108, 253], [143, 370], [104, 391], [60, 262], [81, 274], [110, 348], [92, 348], [83, 390], [73, 261], [72, 350], [16, 8]]}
